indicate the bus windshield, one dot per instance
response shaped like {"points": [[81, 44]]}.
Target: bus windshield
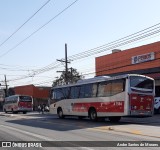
{"points": [[25, 99], [141, 84]]}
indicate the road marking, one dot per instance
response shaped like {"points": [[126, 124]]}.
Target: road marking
{"points": [[41, 136], [29, 133], [136, 132]]}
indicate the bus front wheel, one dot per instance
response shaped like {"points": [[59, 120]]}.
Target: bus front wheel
{"points": [[93, 114], [5, 111], [60, 113]]}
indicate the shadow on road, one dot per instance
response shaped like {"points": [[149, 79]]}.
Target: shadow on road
{"points": [[52, 122]]}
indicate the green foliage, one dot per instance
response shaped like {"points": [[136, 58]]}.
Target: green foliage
{"points": [[73, 76]]}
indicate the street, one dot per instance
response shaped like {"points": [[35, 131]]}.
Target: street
{"points": [[46, 127]]}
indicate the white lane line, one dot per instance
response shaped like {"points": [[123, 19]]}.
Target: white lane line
{"points": [[40, 136], [29, 133]]}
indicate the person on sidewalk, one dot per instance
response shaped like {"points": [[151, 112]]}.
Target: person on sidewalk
{"points": [[42, 108], [39, 108]]}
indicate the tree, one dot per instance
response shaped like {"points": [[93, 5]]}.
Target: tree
{"points": [[73, 76]]}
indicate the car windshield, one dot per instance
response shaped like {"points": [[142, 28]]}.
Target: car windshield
{"points": [[25, 99], [141, 83]]}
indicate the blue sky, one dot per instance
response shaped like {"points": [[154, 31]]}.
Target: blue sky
{"points": [[85, 25]]}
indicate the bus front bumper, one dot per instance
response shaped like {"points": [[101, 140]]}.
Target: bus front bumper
{"points": [[141, 113]]}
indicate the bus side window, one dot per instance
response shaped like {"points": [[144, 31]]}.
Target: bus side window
{"points": [[104, 89], [58, 94], [8, 100], [94, 90], [88, 91], [15, 99], [117, 87], [66, 92], [72, 96], [85, 91], [81, 93], [75, 92]]}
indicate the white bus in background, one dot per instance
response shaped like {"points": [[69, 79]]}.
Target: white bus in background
{"points": [[18, 103], [101, 97]]}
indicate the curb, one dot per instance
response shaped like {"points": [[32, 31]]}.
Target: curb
{"points": [[130, 131]]}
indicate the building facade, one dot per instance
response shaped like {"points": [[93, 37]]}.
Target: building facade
{"points": [[139, 60]]}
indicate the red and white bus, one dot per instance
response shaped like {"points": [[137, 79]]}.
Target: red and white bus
{"points": [[112, 97], [18, 103]]}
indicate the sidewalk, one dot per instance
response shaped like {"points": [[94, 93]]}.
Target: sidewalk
{"points": [[144, 130], [139, 126]]}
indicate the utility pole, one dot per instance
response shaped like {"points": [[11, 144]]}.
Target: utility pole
{"points": [[66, 64], [5, 80], [71, 75]]}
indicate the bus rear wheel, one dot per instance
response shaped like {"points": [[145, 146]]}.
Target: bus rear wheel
{"points": [[5, 111], [60, 113], [114, 119], [12, 111], [93, 114]]}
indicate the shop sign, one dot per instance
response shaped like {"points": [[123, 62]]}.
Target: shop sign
{"points": [[143, 58]]}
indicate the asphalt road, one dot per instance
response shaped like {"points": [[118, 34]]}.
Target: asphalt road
{"points": [[65, 132]]}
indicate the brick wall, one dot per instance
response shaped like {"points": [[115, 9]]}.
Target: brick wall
{"points": [[35, 92], [121, 61]]}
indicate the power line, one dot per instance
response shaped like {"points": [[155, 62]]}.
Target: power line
{"points": [[24, 23], [121, 42], [38, 29]]}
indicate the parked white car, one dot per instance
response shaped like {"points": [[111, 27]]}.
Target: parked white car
{"points": [[157, 105]]}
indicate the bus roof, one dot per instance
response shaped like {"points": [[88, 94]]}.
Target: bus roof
{"points": [[100, 79]]}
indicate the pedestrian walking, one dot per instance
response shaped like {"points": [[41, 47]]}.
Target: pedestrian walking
{"points": [[39, 108], [42, 108]]}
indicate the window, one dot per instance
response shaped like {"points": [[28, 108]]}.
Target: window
{"points": [[104, 89], [75, 91], [94, 90], [142, 84], [81, 92], [109, 88], [87, 91], [117, 86], [66, 92], [23, 99], [58, 94]]}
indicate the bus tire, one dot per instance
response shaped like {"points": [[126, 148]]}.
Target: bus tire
{"points": [[114, 119], [12, 111], [5, 111], [60, 113], [93, 114], [24, 112]]}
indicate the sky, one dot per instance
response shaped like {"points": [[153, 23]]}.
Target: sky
{"points": [[85, 25]]}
